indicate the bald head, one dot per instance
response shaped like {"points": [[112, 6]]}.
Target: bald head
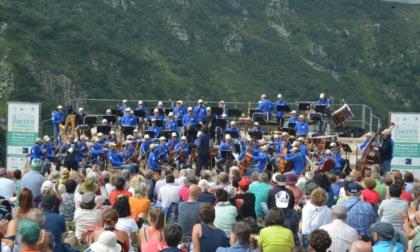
{"points": [[193, 192], [360, 246]]}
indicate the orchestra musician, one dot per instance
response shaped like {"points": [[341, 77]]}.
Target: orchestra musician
{"points": [[323, 101], [69, 152], [328, 155], [180, 110], [112, 138], [261, 161], [256, 128], [367, 139], [285, 136], [226, 145], [199, 110], [385, 148], [154, 128], [128, 151], [117, 160], [136, 136], [124, 106], [128, 119], [101, 139], [108, 112], [182, 147], [220, 130], [84, 151], [171, 124], [48, 151], [266, 106], [224, 109], [152, 162], [142, 120], [232, 128], [80, 126], [210, 120], [277, 144], [248, 144], [280, 114], [303, 147], [57, 119], [298, 161], [301, 127], [293, 118], [190, 125], [36, 150], [163, 150], [96, 150], [160, 106], [145, 145], [174, 141]]}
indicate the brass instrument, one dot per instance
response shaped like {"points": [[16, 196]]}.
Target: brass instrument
{"points": [[70, 121]]}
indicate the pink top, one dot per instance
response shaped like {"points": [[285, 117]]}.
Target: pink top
{"points": [[184, 193], [153, 244]]}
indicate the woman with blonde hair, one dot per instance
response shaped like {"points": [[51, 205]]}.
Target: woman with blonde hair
{"points": [[151, 237], [134, 181], [139, 203]]}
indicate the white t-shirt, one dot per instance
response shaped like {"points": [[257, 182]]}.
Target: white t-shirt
{"points": [[5, 248], [84, 218], [128, 225], [7, 188]]}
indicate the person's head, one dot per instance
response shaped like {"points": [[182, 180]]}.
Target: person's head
{"points": [[319, 240], [88, 201], [384, 231], [354, 189], [254, 176], [205, 129], [416, 190], [29, 231], [263, 177], [122, 206], [48, 202], [223, 178], [360, 246], [193, 192], [206, 213], [241, 231], [221, 195], [408, 177], [395, 190], [309, 175], [244, 184], [70, 138], [388, 181], [157, 218], [400, 182], [110, 217], [322, 180], [119, 183], [203, 185], [204, 175], [319, 197], [274, 217], [370, 183], [357, 175], [375, 171], [70, 186], [339, 212], [26, 200], [332, 178], [17, 174], [170, 179], [397, 175], [173, 235], [37, 216], [140, 190]]}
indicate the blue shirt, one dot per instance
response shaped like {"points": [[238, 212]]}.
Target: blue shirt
{"points": [[235, 248], [96, 151], [152, 162], [80, 154], [171, 125], [189, 120], [142, 109], [122, 107], [163, 149], [56, 224], [263, 158], [361, 216], [293, 120], [280, 103], [50, 149], [185, 149], [385, 246], [199, 112], [115, 158], [302, 128], [145, 145], [35, 153], [129, 120], [297, 160], [57, 118], [180, 112], [266, 106], [155, 129], [32, 180]]}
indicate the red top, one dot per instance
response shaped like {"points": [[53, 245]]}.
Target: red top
{"points": [[114, 194], [371, 196]]}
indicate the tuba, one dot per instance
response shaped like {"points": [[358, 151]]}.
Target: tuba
{"points": [[70, 121]]}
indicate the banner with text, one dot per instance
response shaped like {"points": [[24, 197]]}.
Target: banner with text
{"points": [[22, 130], [406, 138]]}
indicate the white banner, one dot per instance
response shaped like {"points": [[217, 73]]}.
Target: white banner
{"points": [[22, 130]]}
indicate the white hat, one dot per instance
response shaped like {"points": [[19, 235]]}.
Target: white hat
{"points": [[232, 123], [284, 134], [136, 131], [259, 102], [282, 199], [59, 107], [295, 144], [249, 139], [112, 144], [171, 114], [327, 152], [222, 102], [112, 132], [80, 109], [200, 101], [129, 137], [301, 139], [100, 134], [223, 115], [190, 109], [108, 111], [156, 110], [294, 112], [276, 136], [107, 242], [84, 137], [294, 149], [333, 144], [262, 141], [124, 101], [208, 109], [227, 136], [128, 110], [184, 138], [279, 96], [174, 134], [153, 146], [140, 102], [180, 102], [153, 120], [160, 103], [386, 132], [256, 124], [199, 133], [46, 138], [264, 148], [94, 139], [322, 96], [104, 120], [369, 134], [127, 142], [146, 136], [37, 140], [162, 138], [263, 96], [301, 116]]}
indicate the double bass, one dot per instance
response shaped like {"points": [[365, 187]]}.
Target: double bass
{"points": [[284, 166]]}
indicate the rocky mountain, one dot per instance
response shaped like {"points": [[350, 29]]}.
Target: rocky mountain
{"points": [[361, 51]]}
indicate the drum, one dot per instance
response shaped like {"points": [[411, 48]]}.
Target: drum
{"points": [[342, 115]]}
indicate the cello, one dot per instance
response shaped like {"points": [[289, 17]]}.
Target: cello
{"points": [[284, 166], [247, 159]]}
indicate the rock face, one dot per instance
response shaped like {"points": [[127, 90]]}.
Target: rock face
{"points": [[233, 43], [179, 32], [278, 8], [119, 3]]}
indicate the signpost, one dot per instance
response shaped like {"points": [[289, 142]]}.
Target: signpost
{"points": [[22, 129]]}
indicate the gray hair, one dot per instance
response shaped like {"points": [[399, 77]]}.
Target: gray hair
{"points": [[376, 167], [339, 211], [254, 176], [3, 172], [37, 216], [203, 185], [94, 176], [125, 174], [140, 190], [106, 175], [263, 177], [242, 232], [223, 177], [183, 172]]}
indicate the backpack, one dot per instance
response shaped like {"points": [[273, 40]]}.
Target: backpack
{"points": [[86, 238], [172, 213]]}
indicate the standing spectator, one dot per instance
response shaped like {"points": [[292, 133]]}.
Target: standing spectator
{"points": [[188, 211], [360, 214], [239, 238], [389, 210], [275, 237], [54, 222], [169, 193], [225, 213], [342, 235], [125, 223], [203, 150], [260, 190], [87, 215], [7, 186], [245, 202], [206, 236], [205, 196], [33, 180], [119, 189], [319, 240], [151, 237], [68, 207]]}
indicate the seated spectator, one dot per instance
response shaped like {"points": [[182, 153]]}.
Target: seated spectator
{"points": [[110, 184], [151, 238], [280, 187], [322, 180], [191, 179], [389, 210], [206, 236], [291, 180], [319, 240], [205, 196], [125, 223], [408, 179], [360, 246], [225, 213], [107, 241], [169, 192], [173, 236], [32, 237], [54, 223], [275, 237], [139, 203], [188, 211], [384, 235], [404, 195], [260, 190], [87, 215], [369, 194], [68, 207], [119, 189], [239, 238], [245, 202]]}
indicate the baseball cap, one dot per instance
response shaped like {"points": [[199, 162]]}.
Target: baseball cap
{"points": [[244, 183], [282, 199], [384, 229], [29, 230], [354, 188], [36, 164], [280, 179]]}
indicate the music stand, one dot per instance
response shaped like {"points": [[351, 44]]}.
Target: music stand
{"points": [[346, 148], [104, 129], [167, 111], [128, 130], [89, 120], [291, 125], [150, 133], [315, 116], [226, 154], [159, 123], [180, 123], [252, 111], [216, 110], [190, 147], [321, 109], [116, 112], [289, 131], [235, 112], [304, 106], [110, 119], [259, 117], [221, 122], [168, 133], [255, 134], [283, 108], [233, 134], [140, 113]]}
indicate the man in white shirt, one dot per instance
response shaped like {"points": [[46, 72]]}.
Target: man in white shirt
{"points": [[342, 235], [7, 186], [182, 175], [170, 192]]}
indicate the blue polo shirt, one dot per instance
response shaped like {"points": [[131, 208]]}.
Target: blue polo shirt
{"points": [[56, 224]]}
